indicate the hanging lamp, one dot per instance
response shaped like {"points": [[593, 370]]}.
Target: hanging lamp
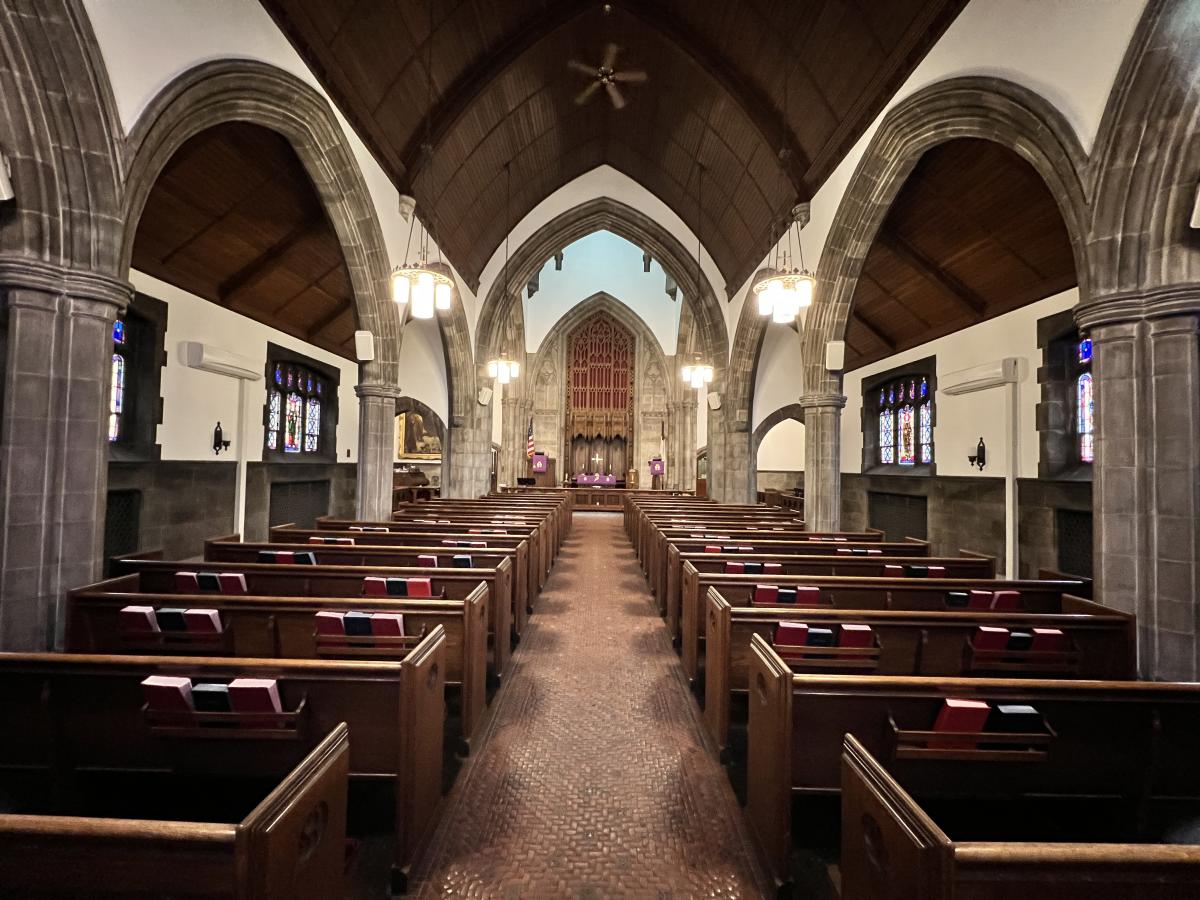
{"points": [[427, 288]]}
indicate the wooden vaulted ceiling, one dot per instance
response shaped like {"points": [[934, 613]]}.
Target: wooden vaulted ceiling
{"points": [[502, 95], [234, 218], [974, 233]]}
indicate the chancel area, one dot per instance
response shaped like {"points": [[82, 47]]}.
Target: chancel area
{"points": [[647, 449]]}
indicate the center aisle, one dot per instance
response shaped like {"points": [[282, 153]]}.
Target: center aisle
{"points": [[593, 781]]}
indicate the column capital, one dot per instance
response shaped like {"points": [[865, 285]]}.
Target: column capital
{"points": [[827, 400], [378, 389], [1131, 306], [81, 284]]}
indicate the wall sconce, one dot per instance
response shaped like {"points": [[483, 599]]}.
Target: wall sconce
{"points": [[980, 457], [219, 443]]}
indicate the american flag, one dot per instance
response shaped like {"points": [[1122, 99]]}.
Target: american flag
{"points": [[529, 444]]}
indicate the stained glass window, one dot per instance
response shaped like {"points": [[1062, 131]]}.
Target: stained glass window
{"points": [[116, 397], [274, 413], [887, 437], [1085, 350], [312, 425], [905, 422], [294, 411], [119, 331]]}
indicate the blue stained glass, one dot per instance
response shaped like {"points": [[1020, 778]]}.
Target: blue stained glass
{"points": [[912, 390], [882, 397], [891, 395], [279, 374], [318, 387], [1085, 418], [924, 388], [116, 397], [1085, 350], [309, 382], [119, 332]]}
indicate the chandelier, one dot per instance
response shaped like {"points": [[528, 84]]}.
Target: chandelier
{"points": [[503, 369], [697, 373], [783, 294], [427, 288]]}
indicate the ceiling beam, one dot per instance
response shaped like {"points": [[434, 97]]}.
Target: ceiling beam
{"points": [[874, 330], [758, 106], [259, 267], [934, 274], [326, 320]]}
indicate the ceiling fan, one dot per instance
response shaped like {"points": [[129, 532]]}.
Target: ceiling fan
{"points": [[606, 76]]}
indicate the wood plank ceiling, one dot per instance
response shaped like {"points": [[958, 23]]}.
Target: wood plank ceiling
{"points": [[502, 95], [973, 234], [235, 219]]}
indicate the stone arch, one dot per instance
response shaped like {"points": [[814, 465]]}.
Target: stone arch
{"points": [[991, 109], [747, 345], [988, 108], [791, 411], [503, 302], [250, 91]]}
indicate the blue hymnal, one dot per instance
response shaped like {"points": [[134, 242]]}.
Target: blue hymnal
{"points": [[357, 624], [211, 697], [397, 587]]}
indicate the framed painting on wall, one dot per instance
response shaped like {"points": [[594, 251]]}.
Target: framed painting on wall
{"points": [[415, 438]]}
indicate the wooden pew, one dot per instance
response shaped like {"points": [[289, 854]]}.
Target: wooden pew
{"points": [[925, 594], [345, 582], [232, 549], [518, 545], [541, 552], [1107, 738], [796, 556], [938, 643], [86, 712], [291, 843], [556, 514], [265, 627], [892, 848]]}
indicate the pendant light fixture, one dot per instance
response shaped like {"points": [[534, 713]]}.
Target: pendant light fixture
{"points": [[698, 373], [502, 368], [427, 288], [789, 289]]}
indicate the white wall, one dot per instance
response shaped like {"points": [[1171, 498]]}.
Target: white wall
{"points": [[778, 380], [782, 448], [194, 401], [148, 43], [602, 261], [960, 421], [423, 366]]}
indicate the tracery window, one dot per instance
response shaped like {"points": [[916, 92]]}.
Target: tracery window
{"points": [[904, 412], [116, 391], [297, 417], [1085, 403]]}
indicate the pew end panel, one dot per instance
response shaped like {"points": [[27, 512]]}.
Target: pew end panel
{"points": [[688, 624], [769, 754], [890, 847], [717, 688], [419, 771]]}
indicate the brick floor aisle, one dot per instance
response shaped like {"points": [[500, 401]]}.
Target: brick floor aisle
{"points": [[593, 781]]}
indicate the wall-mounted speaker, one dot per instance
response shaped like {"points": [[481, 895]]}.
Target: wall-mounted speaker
{"points": [[714, 400], [835, 356], [364, 346], [485, 396]]}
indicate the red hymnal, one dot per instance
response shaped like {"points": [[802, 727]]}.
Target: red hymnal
{"points": [[980, 600], [374, 586], [202, 621], [960, 715], [186, 583], [1006, 600], [140, 619], [232, 582], [710, 548], [734, 568], [893, 571], [389, 624], [330, 623], [791, 634], [428, 561], [772, 567], [937, 571], [255, 695], [168, 693], [1048, 639], [988, 637], [856, 636], [765, 594], [420, 587], [808, 596]]}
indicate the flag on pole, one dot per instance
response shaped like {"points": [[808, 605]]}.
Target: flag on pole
{"points": [[529, 444]]}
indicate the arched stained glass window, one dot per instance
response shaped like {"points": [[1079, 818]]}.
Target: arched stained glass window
{"points": [[116, 390], [1085, 404], [312, 424], [295, 413], [905, 422]]}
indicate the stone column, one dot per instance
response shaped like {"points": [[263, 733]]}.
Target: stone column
{"points": [[376, 449], [1146, 486], [512, 440], [467, 471], [53, 443], [823, 460]]}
